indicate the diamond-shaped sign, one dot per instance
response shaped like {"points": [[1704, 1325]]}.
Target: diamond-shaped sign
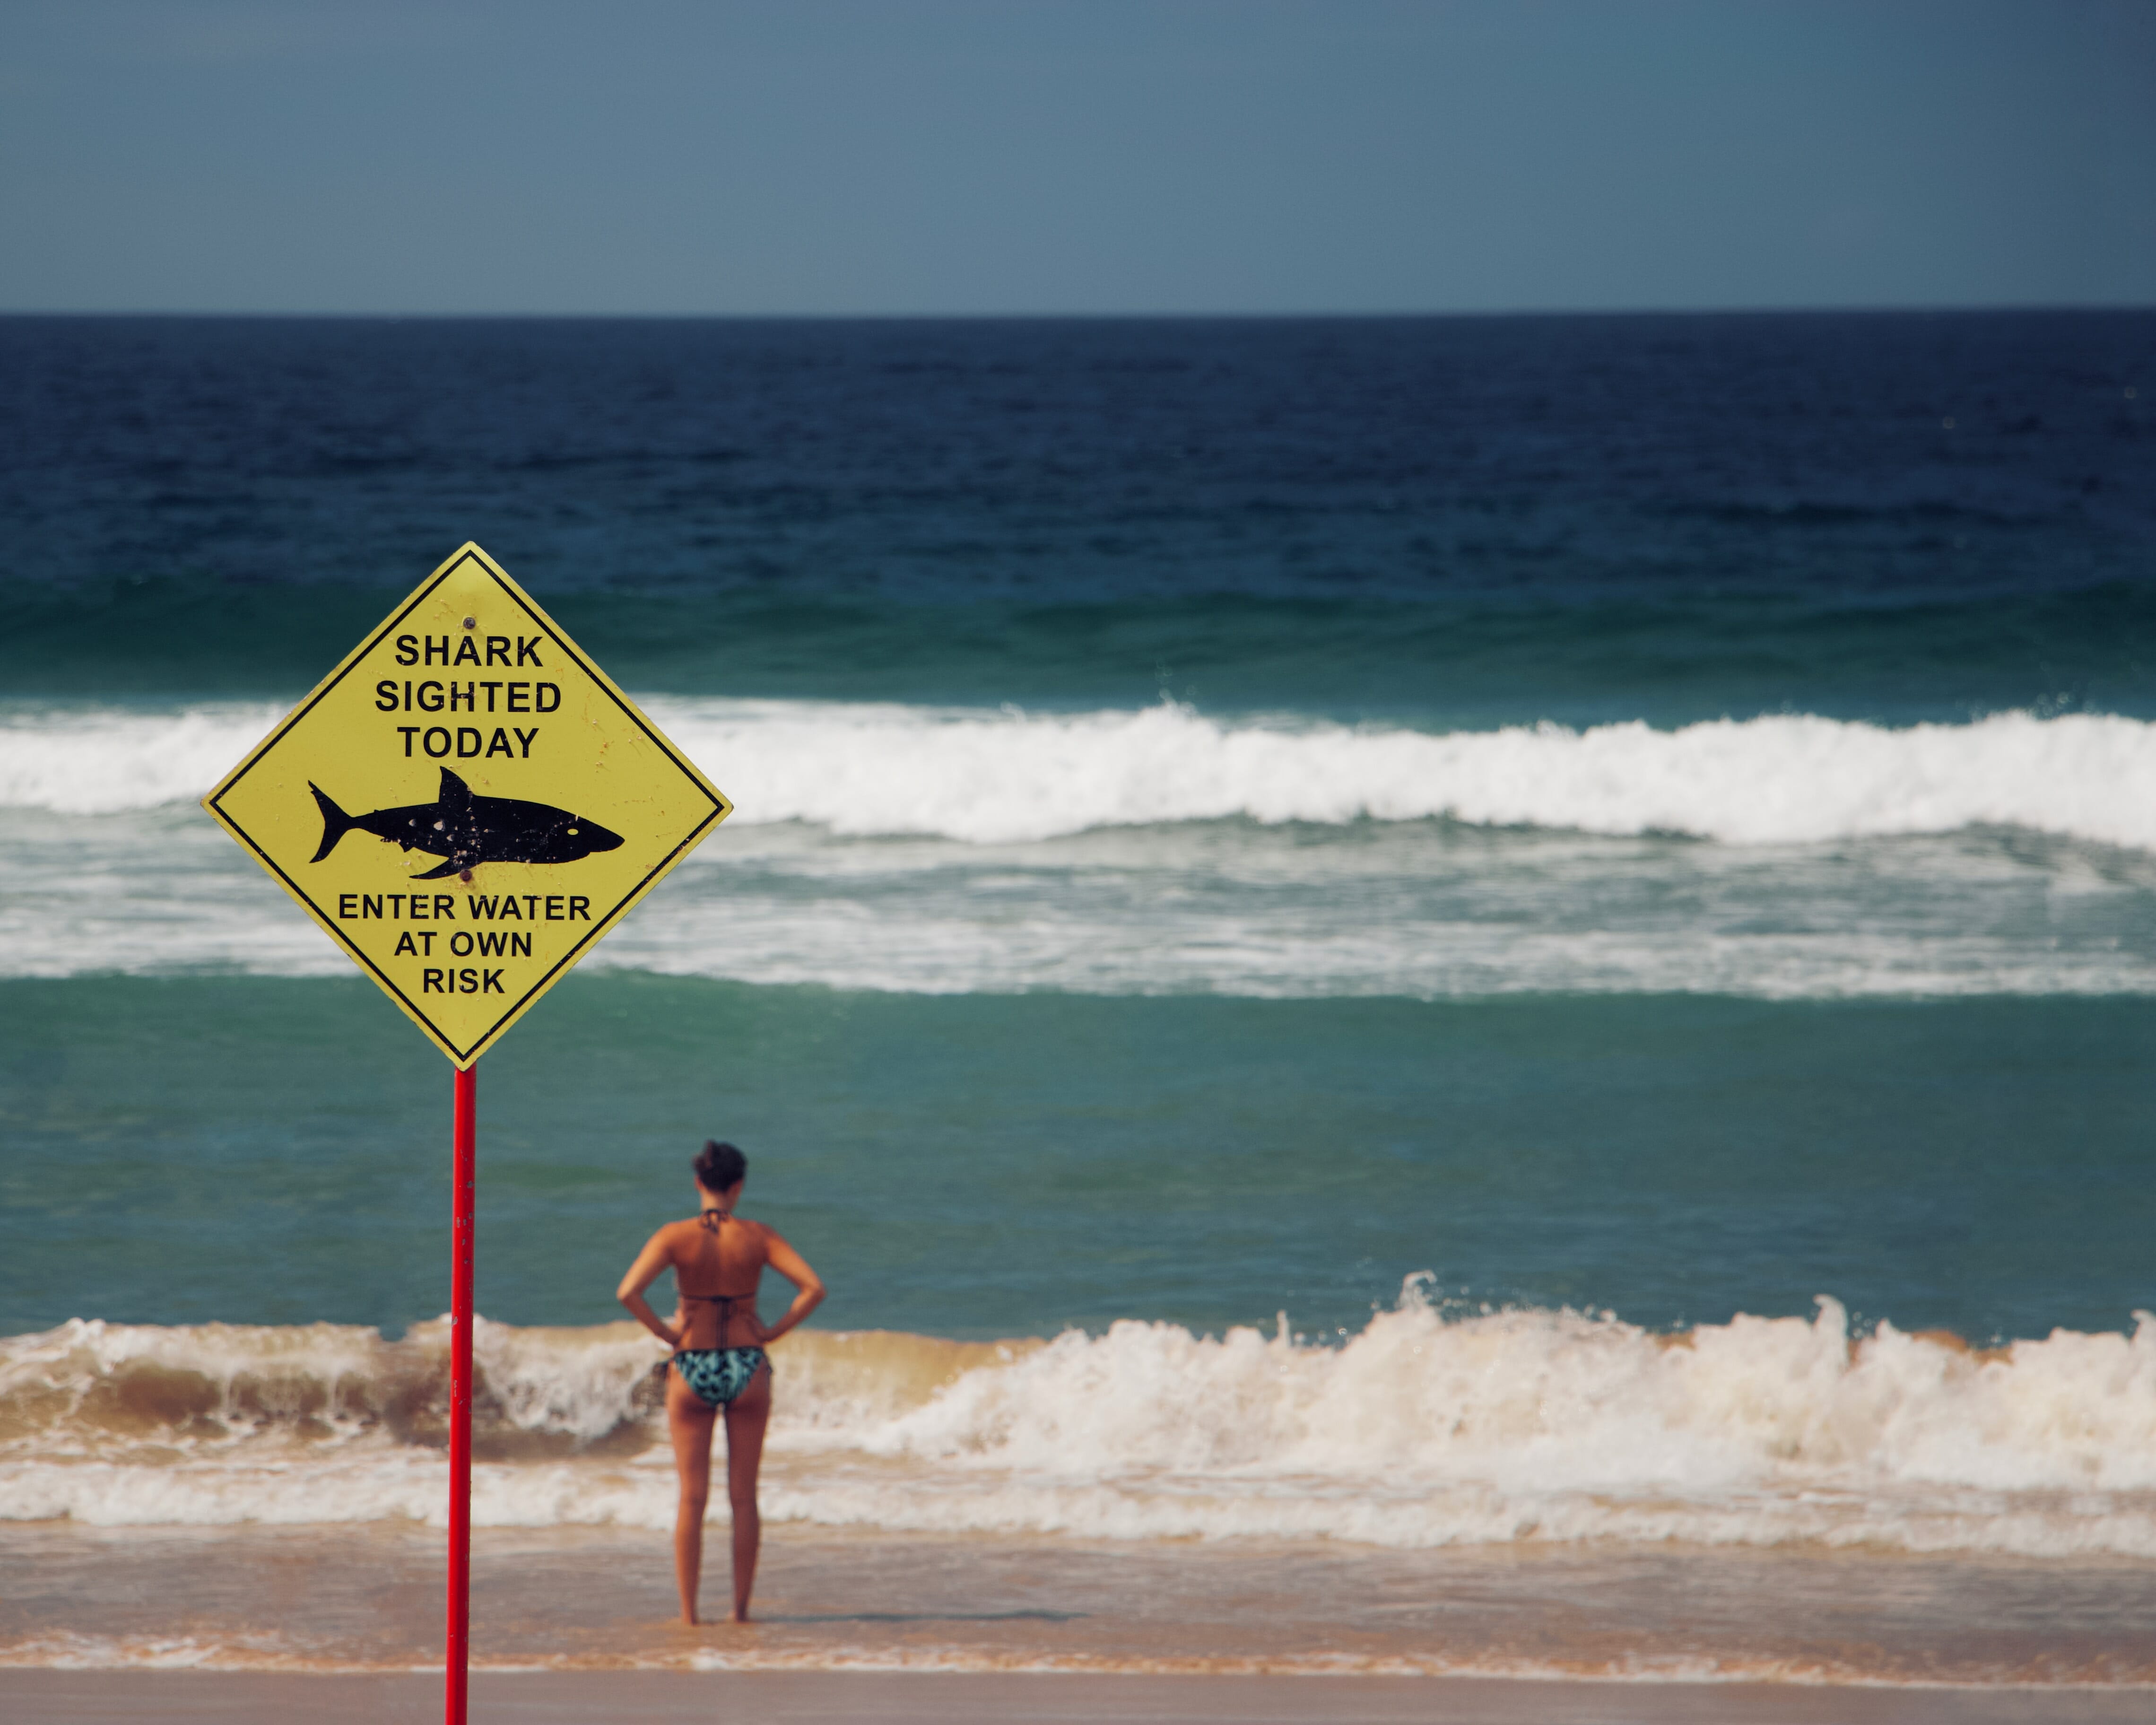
{"points": [[467, 803]]}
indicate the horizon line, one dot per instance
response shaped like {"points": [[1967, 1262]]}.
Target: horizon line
{"points": [[1853, 308]]}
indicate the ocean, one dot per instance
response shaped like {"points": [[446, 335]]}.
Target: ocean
{"points": [[1499, 973]]}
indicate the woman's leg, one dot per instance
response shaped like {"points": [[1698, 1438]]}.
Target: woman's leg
{"points": [[690, 1421], [745, 1420]]}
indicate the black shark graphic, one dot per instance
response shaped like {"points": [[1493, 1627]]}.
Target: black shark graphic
{"points": [[470, 830]]}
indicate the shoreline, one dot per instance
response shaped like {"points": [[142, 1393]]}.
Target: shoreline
{"points": [[357, 1605], [78, 1697]]}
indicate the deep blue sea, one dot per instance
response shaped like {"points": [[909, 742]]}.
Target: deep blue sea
{"points": [[1642, 825]]}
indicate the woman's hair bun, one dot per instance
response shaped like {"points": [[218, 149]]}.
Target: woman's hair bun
{"points": [[719, 1166]]}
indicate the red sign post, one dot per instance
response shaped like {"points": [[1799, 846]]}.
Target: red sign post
{"points": [[463, 1205]]}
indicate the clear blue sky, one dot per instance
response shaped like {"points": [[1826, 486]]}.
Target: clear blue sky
{"points": [[1102, 156]]}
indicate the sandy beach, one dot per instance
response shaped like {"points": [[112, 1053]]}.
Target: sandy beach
{"points": [[842, 1697], [200, 1606]]}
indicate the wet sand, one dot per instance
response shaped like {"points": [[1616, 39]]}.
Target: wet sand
{"points": [[333, 1601], [48, 1698]]}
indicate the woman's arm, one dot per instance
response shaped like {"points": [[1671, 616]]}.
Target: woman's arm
{"points": [[791, 1265], [650, 1262]]}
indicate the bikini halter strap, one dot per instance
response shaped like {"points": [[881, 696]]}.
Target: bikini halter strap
{"points": [[712, 1217]]}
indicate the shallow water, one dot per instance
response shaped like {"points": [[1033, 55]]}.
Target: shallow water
{"points": [[189, 1149]]}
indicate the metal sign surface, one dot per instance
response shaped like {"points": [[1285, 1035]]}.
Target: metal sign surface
{"points": [[466, 804]]}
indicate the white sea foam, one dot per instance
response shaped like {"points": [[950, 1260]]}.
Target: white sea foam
{"points": [[811, 883], [1426, 1429], [987, 777], [98, 760], [1396, 909]]}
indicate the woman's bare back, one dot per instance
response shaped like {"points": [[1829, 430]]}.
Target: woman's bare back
{"points": [[718, 1265]]}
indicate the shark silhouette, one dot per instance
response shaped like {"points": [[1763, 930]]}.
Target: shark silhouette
{"points": [[468, 830]]}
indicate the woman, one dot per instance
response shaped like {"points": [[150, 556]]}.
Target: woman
{"points": [[719, 1362]]}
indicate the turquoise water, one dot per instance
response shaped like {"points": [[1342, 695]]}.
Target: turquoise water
{"points": [[274, 1152], [1470, 660]]}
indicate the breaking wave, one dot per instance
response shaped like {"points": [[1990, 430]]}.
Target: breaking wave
{"points": [[990, 777], [1431, 1427]]}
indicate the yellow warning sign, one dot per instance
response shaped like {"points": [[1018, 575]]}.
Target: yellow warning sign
{"points": [[467, 803]]}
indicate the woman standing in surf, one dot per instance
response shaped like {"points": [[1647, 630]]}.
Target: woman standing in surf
{"points": [[719, 1364]]}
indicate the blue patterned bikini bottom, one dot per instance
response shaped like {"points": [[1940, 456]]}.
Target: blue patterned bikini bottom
{"points": [[718, 1374]]}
